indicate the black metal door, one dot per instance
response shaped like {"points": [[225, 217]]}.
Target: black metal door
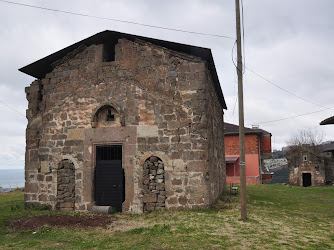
{"points": [[109, 177], [307, 180]]}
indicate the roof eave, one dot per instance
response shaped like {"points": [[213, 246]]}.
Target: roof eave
{"points": [[328, 121], [41, 67]]}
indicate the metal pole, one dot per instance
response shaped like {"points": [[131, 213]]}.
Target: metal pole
{"points": [[241, 118]]}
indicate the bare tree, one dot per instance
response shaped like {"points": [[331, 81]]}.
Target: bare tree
{"points": [[306, 137]]}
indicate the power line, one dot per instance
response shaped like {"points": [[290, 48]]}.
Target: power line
{"points": [[286, 118], [235, 102], [117, 20], [277, 86], [12, 108]]}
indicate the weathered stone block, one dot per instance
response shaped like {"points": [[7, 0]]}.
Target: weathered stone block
{"points": [[147, 131], [197, 166], [177, 182], [40, 177], [45, 167], [76, 134], [172, 201], [161, 198], [43, 197], [149, 198], [183, 200], [31, 187]]}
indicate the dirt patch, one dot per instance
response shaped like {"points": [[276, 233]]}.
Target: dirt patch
{"points": [[73, 221]]}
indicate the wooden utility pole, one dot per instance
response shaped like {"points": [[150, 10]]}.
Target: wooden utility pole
{"points": [[242, 163]]}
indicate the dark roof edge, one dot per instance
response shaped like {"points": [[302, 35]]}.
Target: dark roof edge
{"points": [[41, 67], [232, 129], [328, 121], [249, 133]]}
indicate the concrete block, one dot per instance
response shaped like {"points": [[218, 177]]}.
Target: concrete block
{"points": [[102, 209]]}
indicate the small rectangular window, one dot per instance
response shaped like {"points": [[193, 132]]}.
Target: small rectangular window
{"points": [[109, 52]]}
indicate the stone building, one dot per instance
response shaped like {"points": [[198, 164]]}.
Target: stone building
{"points": [[307, 167], [125, 121]]}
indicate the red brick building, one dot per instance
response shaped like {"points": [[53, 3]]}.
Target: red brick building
{"points": [[257, 148]]}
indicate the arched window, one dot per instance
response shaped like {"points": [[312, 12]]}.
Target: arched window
{"points": [[107, 115]]}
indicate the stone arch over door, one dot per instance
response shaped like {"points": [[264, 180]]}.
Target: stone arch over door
{"points": [[107, 114], [66, 185], [153, 184]]}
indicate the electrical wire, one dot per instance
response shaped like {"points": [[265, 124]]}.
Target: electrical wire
{"points": [[183, 31], [118, 20], [236, 98], [235, 104], [286, 118], [277, 86], [12, 108], [235, 42]]}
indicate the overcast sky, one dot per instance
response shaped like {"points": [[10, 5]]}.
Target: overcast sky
{"points": [[288, 42]]}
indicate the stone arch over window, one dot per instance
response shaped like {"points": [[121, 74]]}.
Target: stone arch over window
{"points": [[153, 184], [106, 115], [66, 185]]}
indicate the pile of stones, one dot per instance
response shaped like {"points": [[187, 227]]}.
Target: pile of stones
{"points": [[154, 184], [66, 185]]}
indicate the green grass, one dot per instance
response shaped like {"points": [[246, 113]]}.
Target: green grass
{"points": [[278, 217]]}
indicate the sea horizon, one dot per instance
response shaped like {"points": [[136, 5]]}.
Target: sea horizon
{"points": [[12, 178]]}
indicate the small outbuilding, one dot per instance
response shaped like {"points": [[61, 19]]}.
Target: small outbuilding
{"points": [[309, 167]]}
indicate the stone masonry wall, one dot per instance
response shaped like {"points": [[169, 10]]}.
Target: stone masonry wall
{"points": [[161, 96], [216, 171]]}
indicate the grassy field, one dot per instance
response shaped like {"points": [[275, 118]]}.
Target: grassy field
{"points": [[279, 217]]}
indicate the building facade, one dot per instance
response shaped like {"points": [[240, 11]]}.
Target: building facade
{"points": [[124, 121], [257, 149], [308, 167]]}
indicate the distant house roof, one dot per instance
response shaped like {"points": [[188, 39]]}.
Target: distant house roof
{"points": [[327, 121], [329, 147], [43, 66], [232, 129]]}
